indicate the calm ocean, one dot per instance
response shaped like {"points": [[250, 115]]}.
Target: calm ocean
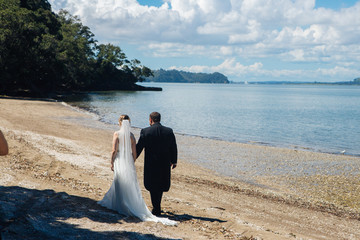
{"points": [[323, 118]]}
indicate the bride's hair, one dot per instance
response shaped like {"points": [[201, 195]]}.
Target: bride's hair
{"points": [[123, 117]]}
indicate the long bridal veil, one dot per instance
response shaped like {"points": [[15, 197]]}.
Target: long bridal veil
{"points": [[124, 195]]}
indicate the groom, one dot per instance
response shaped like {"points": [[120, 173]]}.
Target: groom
{"points": [[160, 156]]}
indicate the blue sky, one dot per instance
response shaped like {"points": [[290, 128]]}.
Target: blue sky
{"points": [[246, 40], [155, 3], [333, 4]]}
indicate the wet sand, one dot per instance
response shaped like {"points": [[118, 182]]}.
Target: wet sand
{"points": [[58, 167]]}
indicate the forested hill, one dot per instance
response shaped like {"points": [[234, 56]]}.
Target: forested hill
{"points": [[186, 77], [356, 80], [42, 53]]}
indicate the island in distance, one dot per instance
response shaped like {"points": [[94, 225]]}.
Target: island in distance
{"points": [[176, 76]]}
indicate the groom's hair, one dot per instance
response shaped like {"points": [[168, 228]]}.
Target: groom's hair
{"points": [[155, 116]]}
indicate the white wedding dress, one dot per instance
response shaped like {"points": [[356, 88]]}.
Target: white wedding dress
{"points": [[124, 195]]}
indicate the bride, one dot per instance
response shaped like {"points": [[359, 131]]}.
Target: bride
{"points": [[124, 195]]}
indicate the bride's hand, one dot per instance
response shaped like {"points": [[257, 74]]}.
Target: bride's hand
{"points": [[112, 167]]}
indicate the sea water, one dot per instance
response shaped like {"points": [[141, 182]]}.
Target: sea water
{"points": [[324, 118]]}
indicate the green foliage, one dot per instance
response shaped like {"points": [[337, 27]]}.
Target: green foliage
{"points": [[75, 52], [7, 4], [35, 4], [139, 71], [110, 54], [27, 43], [187, 77], [42, 52]]}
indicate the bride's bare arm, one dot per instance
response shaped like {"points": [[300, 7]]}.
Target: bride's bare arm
{"points": [[115, 144], [133, 146], [4, 149]]}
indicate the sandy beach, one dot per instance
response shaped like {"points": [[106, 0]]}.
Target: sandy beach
{"points": [[58, 167]]}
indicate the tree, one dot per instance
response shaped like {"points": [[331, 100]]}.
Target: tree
{"points": [[28, 46], [76, 51], [110, 54], [42, 52], [35, 4], [140, 72]]}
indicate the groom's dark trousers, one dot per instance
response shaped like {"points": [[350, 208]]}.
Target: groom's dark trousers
{"points": [[160, 152], [156, 201]]}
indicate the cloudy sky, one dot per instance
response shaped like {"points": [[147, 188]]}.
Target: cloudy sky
{"points": [[246, 40]]}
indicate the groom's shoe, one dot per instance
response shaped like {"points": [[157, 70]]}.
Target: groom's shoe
{"points": [[156, 212]]}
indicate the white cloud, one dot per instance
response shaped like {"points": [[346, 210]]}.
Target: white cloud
{"points": [[338, 71], [226, 50], [168, 49], [228, 66], [237, 21], [297, 54], [283, 30]]}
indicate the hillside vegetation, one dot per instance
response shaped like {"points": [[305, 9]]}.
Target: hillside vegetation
{"points": [[42, 53], [186, 77]]}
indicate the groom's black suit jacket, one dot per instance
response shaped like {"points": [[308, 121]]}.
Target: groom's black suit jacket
{"points": [[160, 152]]}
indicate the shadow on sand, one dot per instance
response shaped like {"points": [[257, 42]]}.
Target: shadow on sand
{"points": [[42, 214], [187, 217]]}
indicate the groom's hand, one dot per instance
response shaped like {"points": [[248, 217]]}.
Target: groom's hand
{"points": [[173, 165]]}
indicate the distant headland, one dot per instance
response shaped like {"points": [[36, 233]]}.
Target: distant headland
{"points": [[176, 76]]}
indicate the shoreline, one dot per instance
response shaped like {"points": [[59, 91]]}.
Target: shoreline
{"points": [[189, 141], [249, 142], [205, 141], [55, 147]]}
